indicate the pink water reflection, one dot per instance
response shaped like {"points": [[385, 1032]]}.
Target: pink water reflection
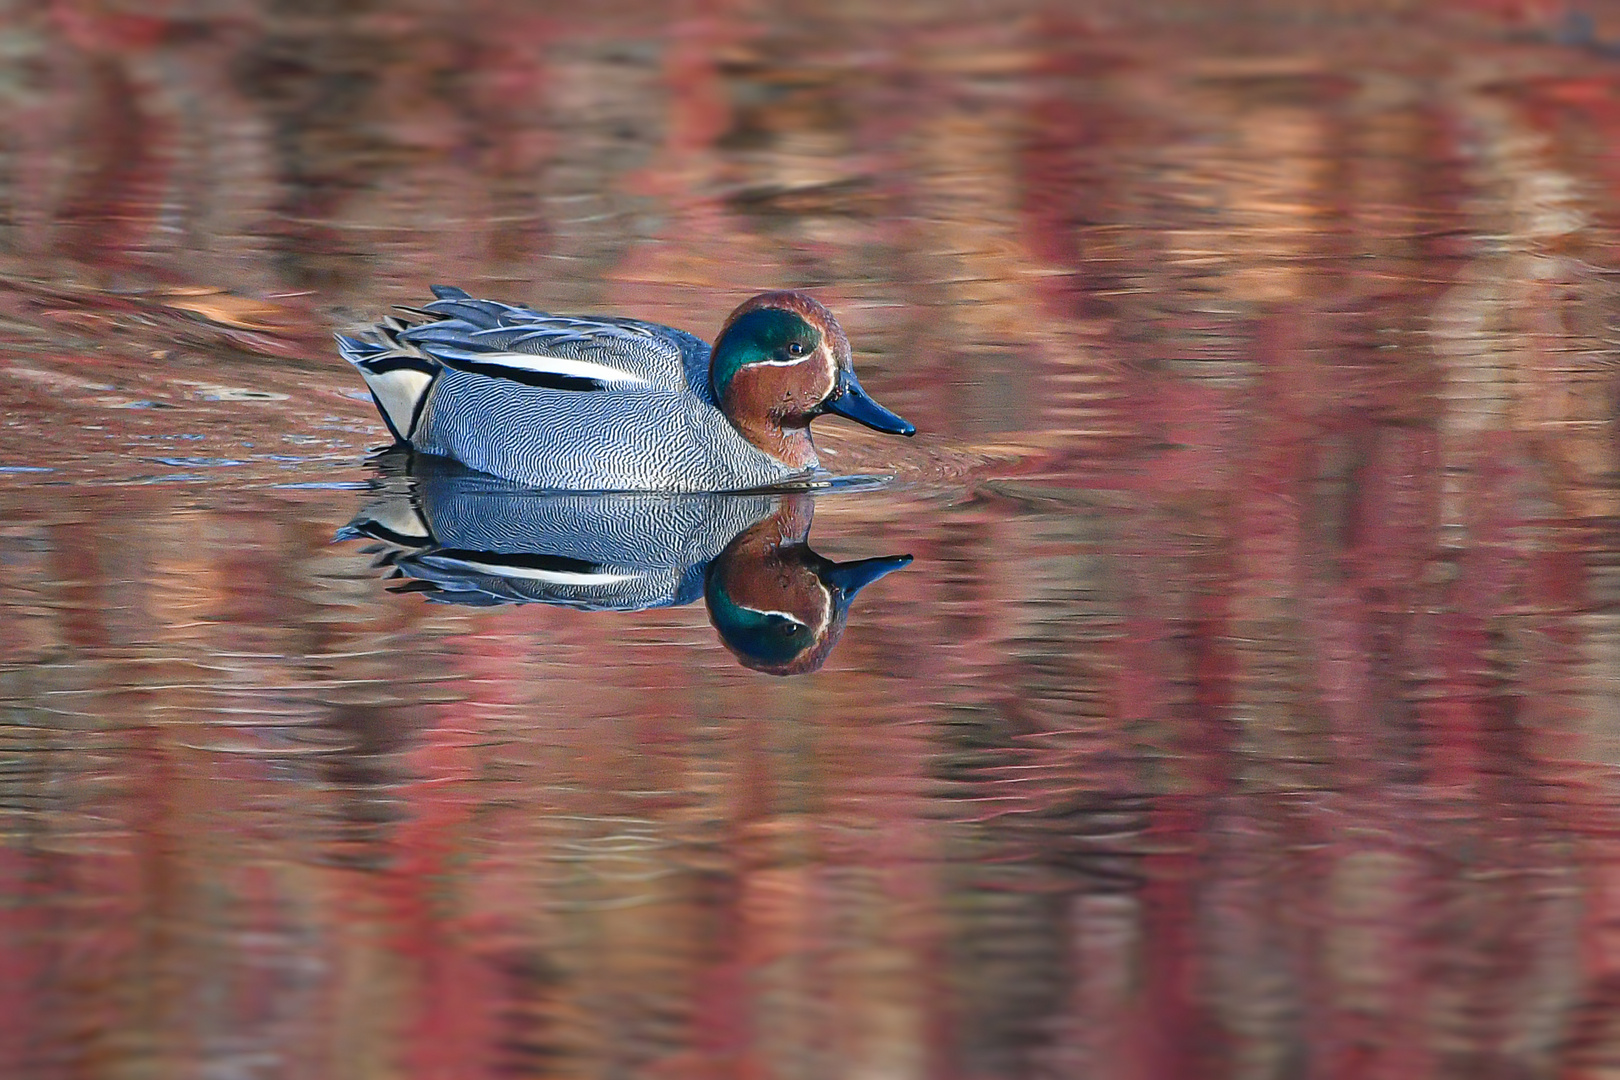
{"points": [[1250, 707]]}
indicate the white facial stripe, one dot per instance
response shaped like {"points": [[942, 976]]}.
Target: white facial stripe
{"points": [[548, 365], [829, 365], [789, 616], [821, 623]]}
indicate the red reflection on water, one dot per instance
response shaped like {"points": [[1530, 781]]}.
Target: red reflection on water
{"points": [[1258, 724]]}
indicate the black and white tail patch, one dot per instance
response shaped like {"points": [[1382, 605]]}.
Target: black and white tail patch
{"points": [[399, 381]]}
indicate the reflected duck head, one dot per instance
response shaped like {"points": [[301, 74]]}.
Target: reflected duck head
{"points": [[782, 360], [779, 606]]}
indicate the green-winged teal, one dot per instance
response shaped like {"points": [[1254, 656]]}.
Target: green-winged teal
{"points": [[608, 404]]}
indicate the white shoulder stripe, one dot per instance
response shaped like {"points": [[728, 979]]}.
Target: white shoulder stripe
{"points": [[529, 573], [545, 365]]}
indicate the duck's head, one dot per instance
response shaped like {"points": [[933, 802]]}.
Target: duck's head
{"points": [[782, 360], [780, 607]]}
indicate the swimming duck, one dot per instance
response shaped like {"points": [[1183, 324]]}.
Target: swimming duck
{"points": [[589, 403], [462, 537]]}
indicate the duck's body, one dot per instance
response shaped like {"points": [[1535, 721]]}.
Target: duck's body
{"points": [[609, 404]]}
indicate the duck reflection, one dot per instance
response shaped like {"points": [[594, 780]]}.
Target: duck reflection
{"points": [[462, 537]]}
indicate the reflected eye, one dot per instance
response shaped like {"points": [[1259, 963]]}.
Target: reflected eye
{"points": [[795, 348]]}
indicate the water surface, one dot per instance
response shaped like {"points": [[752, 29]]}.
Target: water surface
{"points": [[1249, 708]]}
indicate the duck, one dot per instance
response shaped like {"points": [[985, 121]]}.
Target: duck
{"points": [[603, 403], [461, 537]]}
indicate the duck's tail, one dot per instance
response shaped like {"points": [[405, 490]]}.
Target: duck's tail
{"points": [[398, 374]]}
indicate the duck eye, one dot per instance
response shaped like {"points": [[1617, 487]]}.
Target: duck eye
{"points": [[796, 348]]}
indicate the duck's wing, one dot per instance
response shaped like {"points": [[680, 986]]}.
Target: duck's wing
{"points": [[402, 357], [586, 353]]}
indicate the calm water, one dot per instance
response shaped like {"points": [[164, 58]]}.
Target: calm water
{"points": [[1250, 707]]}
